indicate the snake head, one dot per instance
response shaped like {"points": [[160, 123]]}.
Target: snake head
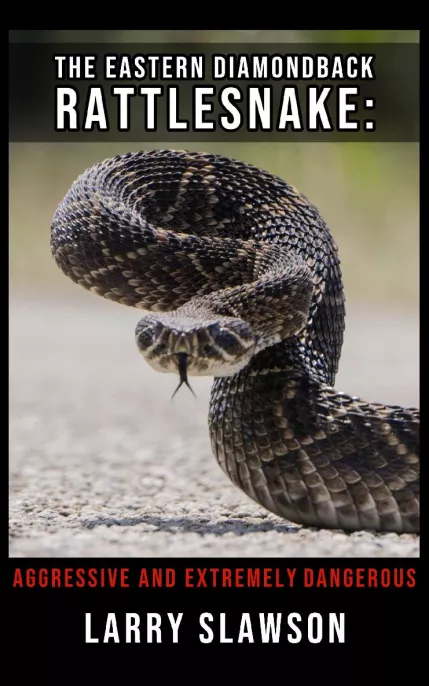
{"points": [[171, 343]]}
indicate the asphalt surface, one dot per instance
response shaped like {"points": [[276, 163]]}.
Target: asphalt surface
{"points": [[104, 463]]}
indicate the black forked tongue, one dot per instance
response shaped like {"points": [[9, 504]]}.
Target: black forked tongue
{"points": [[183, 365]]}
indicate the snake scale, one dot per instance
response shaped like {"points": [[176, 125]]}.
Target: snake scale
{"points": [[240, 280]]}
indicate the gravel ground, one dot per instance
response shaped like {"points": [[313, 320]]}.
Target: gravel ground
{"points": [[103, 463]]}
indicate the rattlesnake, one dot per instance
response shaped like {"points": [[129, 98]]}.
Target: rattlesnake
{"points": [[242, 281]]}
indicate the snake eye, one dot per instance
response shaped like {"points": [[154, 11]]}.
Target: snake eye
{"points": [[144, 338], [228, 341], [206, 348], [235, 337], [215, 330]]}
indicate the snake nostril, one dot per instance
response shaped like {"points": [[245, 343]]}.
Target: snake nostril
{"points": [[179, 343]]}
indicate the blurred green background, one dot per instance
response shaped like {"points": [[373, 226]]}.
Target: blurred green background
{"points": [[367, 193]]}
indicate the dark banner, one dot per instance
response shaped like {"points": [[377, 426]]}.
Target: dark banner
{"points": [[287, 605], [217, 92]]}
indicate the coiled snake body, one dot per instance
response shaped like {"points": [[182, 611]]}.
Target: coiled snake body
{"points": [[242, 282]]}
